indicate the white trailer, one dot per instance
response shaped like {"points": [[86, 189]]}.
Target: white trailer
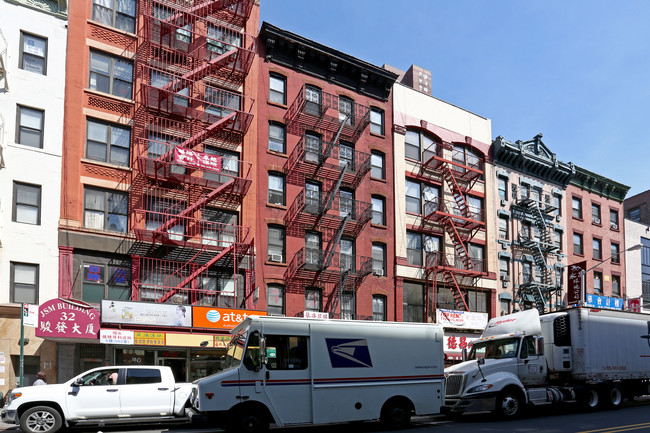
{"points": [[293, 371], [592, 356]]}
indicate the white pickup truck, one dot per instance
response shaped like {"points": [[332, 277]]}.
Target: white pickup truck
{"points": [[101, 396]]}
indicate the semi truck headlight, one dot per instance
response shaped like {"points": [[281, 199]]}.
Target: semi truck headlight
{"points": [[480, 388]]}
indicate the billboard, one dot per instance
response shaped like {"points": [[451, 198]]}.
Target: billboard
{"points": [[221, 318], [143, 313]]}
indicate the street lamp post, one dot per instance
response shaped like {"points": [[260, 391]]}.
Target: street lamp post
{"points": [[583, 285]]}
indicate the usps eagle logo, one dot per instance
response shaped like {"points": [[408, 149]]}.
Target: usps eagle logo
{"points": [[348, 353]]}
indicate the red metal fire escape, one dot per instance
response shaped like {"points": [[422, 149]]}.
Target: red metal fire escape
{"points": [[325, 156], [188, 181], [457, 219]]}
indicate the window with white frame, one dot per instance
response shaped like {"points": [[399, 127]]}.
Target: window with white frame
{"points": [[346, 250], [378, 307], [417, 144], [413, 197], [348, 305], [111, 74], [577, 244], [378, 210], [108, 142], [377, 165], [30, 126], [598, 248], [613, 219], [33, 53], [27, 204], [616, 285], [503, 227], [312, 299], [277, 88], [275, 299], [379, 259], [346, 156], [24, 281], [161, 211], [346, 110], [376, 121], [276, 188], [598, 282], [105, 209], [115, 13], [615, 252], [502, 186], [576, 207], [595, 213], [276, 242]]}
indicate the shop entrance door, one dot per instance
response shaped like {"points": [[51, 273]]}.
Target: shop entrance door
{"points": [[178, 366]]}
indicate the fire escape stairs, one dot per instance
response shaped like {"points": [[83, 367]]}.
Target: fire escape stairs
{"points": [[200, 72], [457, 292], [335, 296], [334, 242], [203, 9], [459, 245]]}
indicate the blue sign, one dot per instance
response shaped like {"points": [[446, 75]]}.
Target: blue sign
{"points": [[596, 301], [348, 352]]}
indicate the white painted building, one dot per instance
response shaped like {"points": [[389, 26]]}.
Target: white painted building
{"points": [[637, 263], [32, 84]]}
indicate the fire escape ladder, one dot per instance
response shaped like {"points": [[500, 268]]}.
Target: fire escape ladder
{"points": [[199, 73], [456, 291], [456, 191], [207, 132], [196, 273], [194, 206], [540, 301], [459, 245], [329, 199], [334, 242]]}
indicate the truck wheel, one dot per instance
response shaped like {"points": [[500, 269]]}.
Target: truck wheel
{"points": [[396, 414], [249, 422], [41, 419], [509, 404], [590, 398], [613, 396]]}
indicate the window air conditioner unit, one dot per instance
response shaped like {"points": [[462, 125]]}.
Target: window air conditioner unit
{"points": [[595, 220], [504, 284], [558, 218], [503, 202], [276, 258], [378, 272], [505, 277]]}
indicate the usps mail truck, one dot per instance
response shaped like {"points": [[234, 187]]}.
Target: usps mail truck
{"points": [[295, 371]]}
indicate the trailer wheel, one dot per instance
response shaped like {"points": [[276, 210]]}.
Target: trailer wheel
{"points": [[41, 419], [509, 403], [396, 413], [613, 396], [590, 399]]}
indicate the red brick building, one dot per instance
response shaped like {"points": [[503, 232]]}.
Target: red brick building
{"points": [[325, 223]]}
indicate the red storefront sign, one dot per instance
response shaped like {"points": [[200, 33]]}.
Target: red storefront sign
{"points": [[634, 305], [574, 291], [66, 319]]}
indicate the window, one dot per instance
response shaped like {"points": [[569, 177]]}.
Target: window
{"points": [[557, 204], [138, 376], [347, 305], [290, 352], [413, 299], [557, 239], [595, 213], [33, 53], [414, 248], [275, 249], [378, 259], [115, 13], [463, 155], [219, 227], [536, 193], [615, 250], [107, 142], [346, 250], [105, 210], [413, 197], [313, 147], [577, 244], [378, 307], [276, 188], [221, 103], [616, 285], [524, 190], [230, 165], [104, 281], [504, 269], [376, 121], [526, 272], [347, 204], [277, 137], [503, 227], [30, 126], [502, 185], [312, 299], [598, 248], [275, 299], [24, 283], [346, 156], [634, 214], [598, 282], [431, 196], [312, 197], [313, 100], [27, 204], [378, 210], [477, 254], [277, 89], [576, 206], [183, 34], [377, 165], [613, 219], [160, 211], [346, 110], [417, 144], [220, 39], [111, 74], [313, 249], [475, 207]]}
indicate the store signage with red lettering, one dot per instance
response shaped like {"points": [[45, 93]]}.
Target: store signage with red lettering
{"points": [[461, 319], [67, 319], [455, 343], [192, 158], [634, 305]]}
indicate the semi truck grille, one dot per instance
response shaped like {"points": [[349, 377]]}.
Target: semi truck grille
{"points": [[453, 384]]}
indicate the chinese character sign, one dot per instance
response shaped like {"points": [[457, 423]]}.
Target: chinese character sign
{"points": [[58, 318], [574, 291], [605, 302], [634, 305], [194, 159]]}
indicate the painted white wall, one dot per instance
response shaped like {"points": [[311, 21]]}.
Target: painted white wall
{"points": [[34, 244], [634, 233]]}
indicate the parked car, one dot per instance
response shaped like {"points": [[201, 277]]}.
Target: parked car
{"points": [[101, 396]]}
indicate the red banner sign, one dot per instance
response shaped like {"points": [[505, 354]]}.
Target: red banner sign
{"points": [[63, 318], [634, 305], [194, 159], [574, 291]]}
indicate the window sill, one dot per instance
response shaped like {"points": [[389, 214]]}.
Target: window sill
{"points": [[377, 179], [374, 134], [282, 265], [378, 226], [577, 218], [108, 95], [105, 164], [111, 28], [275, 153], [276, 206], [276, 104]]}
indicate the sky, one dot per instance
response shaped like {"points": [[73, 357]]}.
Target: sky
{"points": [[577, 71]]}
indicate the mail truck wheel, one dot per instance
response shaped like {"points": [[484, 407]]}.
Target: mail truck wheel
{"points": [[396, 413], [41, 419], [246, 421]]}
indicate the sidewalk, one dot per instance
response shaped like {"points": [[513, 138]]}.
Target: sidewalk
{"points": [[4, 426]]}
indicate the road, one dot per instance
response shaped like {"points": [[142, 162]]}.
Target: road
{"points": [[632, 417]]}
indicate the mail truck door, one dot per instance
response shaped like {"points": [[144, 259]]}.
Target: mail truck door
{"points": [[287, 378]]}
